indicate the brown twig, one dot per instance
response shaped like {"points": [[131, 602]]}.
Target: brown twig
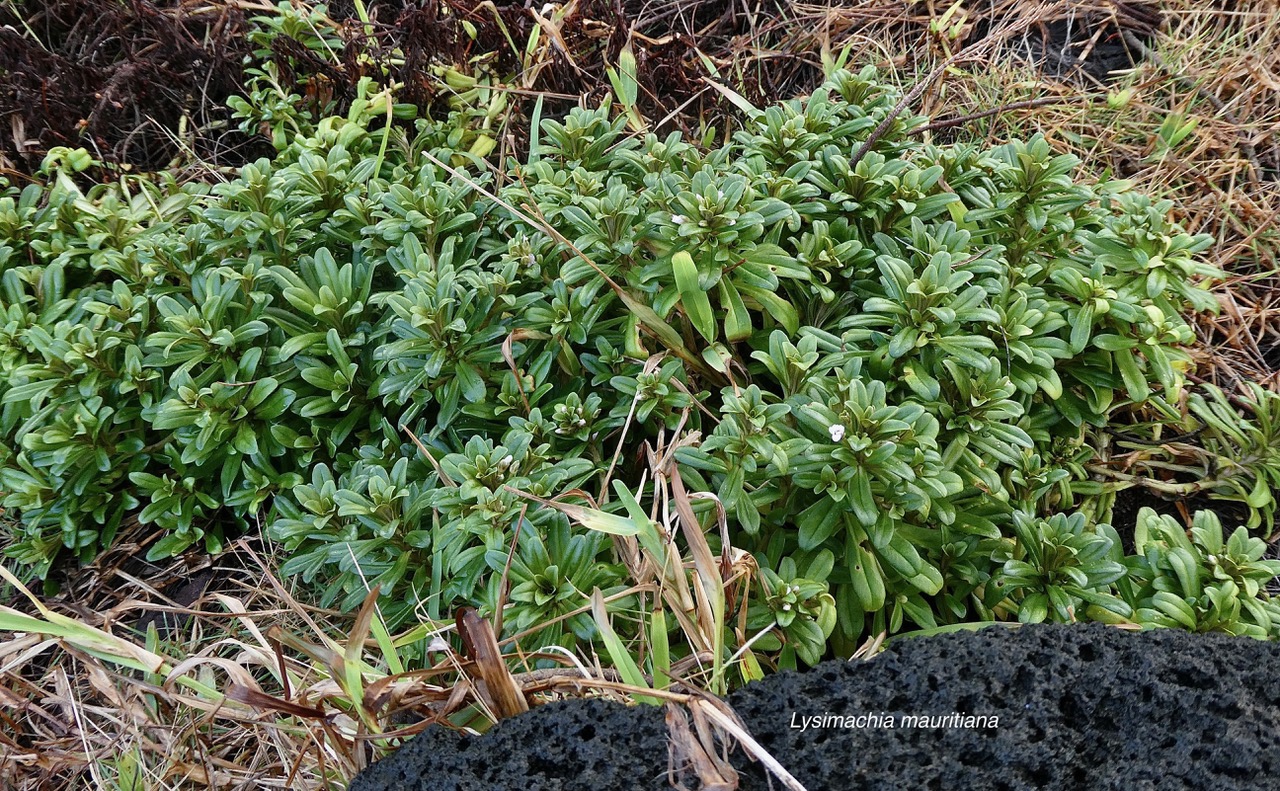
{"points": [[958, 120]]}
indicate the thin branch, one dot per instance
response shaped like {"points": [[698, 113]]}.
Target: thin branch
{"points": [[959, 120]]}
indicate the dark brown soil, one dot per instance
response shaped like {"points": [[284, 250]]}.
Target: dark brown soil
{"points": [[1089, 44], [1124, 513], [119, 78], [145, 82]]}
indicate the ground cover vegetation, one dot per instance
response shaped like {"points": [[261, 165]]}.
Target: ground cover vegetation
{"points": [[778, 385]]}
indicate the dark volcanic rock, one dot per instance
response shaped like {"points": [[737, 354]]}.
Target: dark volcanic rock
{"points": [[1085, 707], [587, 744]]}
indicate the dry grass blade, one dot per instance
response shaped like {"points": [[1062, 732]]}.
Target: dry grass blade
{"points": [[716, 712], [688, 753], [261, 700], [710, 592], [709, 571], [242, 707], [589, 517], [353, 655], [496, 683], [509, 357]]}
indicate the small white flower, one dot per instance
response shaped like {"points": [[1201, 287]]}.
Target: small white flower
{"points": [[786, 607], [837, 432], [678, 218]]}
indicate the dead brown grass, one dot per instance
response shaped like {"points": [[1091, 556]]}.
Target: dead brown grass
{"points": [[251, 692]]}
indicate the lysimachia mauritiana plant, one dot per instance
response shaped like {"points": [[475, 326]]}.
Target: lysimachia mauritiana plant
{"points": [[890, 365], [1057, 566], [1235, 456], [1198, 579]]}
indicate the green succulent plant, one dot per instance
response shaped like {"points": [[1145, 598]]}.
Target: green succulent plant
{"points": [[1195, 580], [887, 369], [1057, 567], [799, 606]]}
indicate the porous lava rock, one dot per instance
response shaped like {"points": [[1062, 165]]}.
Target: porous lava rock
{"points": [[1078, 707]]}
